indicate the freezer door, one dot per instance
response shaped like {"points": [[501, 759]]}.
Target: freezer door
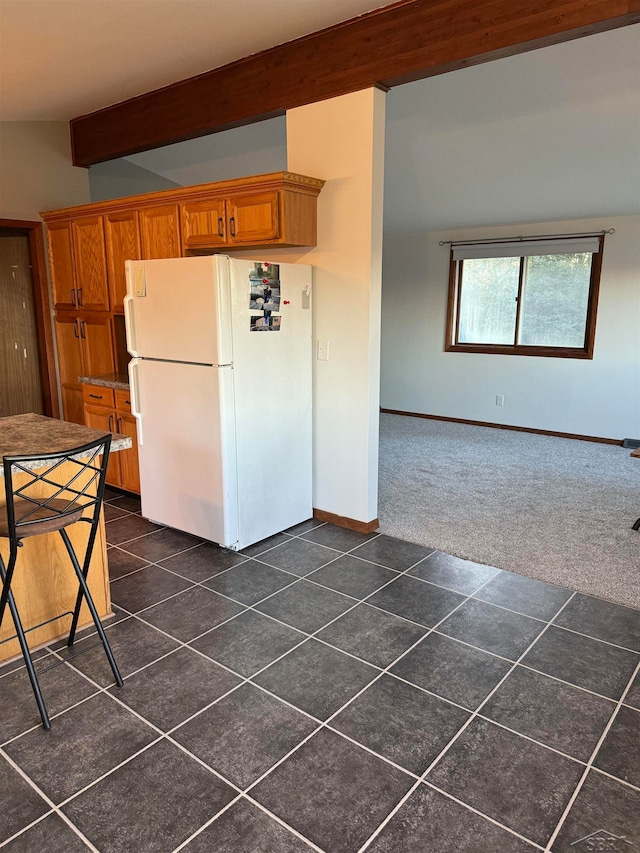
{"points": [[177, 309], [187, 451]]}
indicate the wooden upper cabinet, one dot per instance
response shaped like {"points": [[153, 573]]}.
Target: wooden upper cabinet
{"points": [[63, 280], [123, 244], [278, 209], [91, 263], [160, 231], [203, 221], [253, 218]]}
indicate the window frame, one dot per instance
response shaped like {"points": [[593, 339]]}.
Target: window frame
{"points": [[453, 315]]}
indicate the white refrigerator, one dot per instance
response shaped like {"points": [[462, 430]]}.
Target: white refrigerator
{"points": [[221, 391]]}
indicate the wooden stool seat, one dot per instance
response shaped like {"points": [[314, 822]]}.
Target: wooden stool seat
{"points": [[42, 519]]}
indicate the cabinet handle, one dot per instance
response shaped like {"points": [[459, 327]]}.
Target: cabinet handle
{"points": [[82, 333], [75, 329], [220, 232], [111, 429], [118, 427], [80, 302], [97, 396], [127, 402], [73, 297], [232, 226]]}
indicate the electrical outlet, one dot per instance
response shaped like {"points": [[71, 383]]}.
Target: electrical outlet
{"points": [[499, 399]]}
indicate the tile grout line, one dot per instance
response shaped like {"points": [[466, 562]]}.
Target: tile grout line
{"points": [[592, 758], [162, 736], [308, 636], [462, 729], [325, 723], [54, 808], [616, 778], [481, 814]]}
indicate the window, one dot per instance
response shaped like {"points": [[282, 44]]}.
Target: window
{"points": [[525, 297]]}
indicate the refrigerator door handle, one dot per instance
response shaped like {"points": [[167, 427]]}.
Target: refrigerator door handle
{"points": [[130, 325], [135, 408]]}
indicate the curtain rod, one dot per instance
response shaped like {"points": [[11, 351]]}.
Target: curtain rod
{"points": [[532, 237]]}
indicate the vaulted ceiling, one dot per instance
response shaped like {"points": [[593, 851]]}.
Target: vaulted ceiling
{"points": [[64, 58]]}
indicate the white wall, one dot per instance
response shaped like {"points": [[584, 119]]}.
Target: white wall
{"points": [[35, 169], [118, 178], [251, 150], [549, 134], [599, 397], [342, 141]]}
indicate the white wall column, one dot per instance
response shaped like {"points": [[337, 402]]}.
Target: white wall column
{"points": [[342, 141]]}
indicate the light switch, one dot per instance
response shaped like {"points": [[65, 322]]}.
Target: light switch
{"points": [[323, 351]]}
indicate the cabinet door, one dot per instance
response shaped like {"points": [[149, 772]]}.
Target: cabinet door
{"points": [[105, 420], [160, 231], [129, 468], [123, 244], [63, 281], [203, 221], [91, 263], [69, 348], [97, 347], [253, 218], [70, 365], [72, 407]]}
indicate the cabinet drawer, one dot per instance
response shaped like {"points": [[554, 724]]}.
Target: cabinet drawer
{"points": [[123, 401], [96, 395]]}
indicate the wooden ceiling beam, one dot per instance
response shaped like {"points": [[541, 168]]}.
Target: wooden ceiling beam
{"points": [[406, 41]]}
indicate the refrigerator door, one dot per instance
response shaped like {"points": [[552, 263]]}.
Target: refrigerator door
{"points": [[178, 309], [273, 385], [187, 447]]}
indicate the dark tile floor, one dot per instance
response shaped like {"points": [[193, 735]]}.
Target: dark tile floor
{"points": [[326, 690]]}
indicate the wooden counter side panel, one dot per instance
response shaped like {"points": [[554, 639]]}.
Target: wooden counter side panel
{"points": [[44, 583]]}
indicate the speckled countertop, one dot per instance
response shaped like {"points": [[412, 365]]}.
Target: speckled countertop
{"points": [[22, 435], [107, 380]]}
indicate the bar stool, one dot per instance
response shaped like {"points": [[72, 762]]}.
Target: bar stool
{"points": [[55, 490]]}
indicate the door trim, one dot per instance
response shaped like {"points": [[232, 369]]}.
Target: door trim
{"points": [[42, 304]]}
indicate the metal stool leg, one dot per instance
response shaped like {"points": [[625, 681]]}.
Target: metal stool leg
{"points": [[94, 613], [636, 525], [7, 597], [85, 572]]}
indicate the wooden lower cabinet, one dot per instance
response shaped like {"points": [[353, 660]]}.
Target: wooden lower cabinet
{"points": [[84, 348], [110, 410], [129, 466]]}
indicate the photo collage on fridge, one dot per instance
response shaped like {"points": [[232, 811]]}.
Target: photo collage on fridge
{"points": [[264, 282]]}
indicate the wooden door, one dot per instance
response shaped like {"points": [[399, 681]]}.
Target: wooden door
{"points": [[91, 263], [160, 231], [21, 385], [97, 346], [63, 279], [129, 467], [203, 220], [123, 244], [105, 420], [253, 218]]}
